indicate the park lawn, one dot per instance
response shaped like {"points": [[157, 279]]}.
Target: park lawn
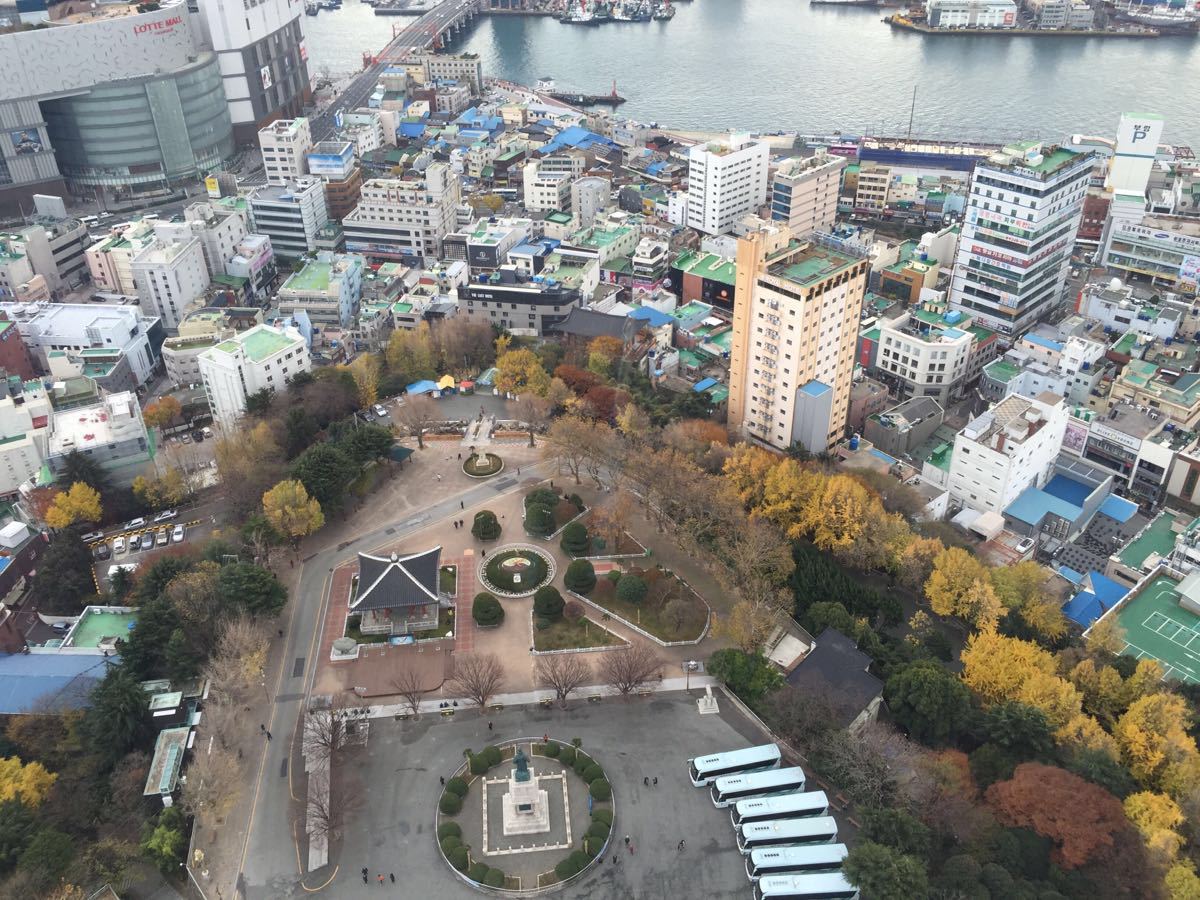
{"points": [[567, 635], [627, 545], [564, 512], [649, 614], [353, 632], [448, 580], [445, 623]]}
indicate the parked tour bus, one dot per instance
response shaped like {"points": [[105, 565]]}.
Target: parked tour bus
{"points": [[729, 789], [808, 886], [786, 832], [703, 769], [783, 806], [793, 860]]}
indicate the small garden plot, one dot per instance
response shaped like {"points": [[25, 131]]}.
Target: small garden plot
{"points": [[655, 600], [445, 626], [570, 634], [580, 540], [448, 580], [546, 511], [352, 631]]}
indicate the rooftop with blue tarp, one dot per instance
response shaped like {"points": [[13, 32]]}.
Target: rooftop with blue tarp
{"points": [[1035, 504], [1099, 595], [652, 316], [1070, 574], [1118, 508], [815, 389], [29, 681], [701, 386], [1040, 341], [412, 129], [1065, 488], [421, 387], [575, 136]]}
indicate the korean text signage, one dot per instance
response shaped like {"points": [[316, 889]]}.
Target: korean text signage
{"points": [[159, 27]]}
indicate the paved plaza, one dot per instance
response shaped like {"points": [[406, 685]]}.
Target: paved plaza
{"points": [[632, 740]]}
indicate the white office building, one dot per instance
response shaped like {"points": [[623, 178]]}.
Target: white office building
{"points": [[399, 218], [972, 13], [327, 289], [285, 144], [290, 215], [545, 191], [219, 231], [110, 261], [726, 180], [804, 192], [1022, 216], [1007, 449], [111, 433], [24, 429], [171, 278], [262, 357]]}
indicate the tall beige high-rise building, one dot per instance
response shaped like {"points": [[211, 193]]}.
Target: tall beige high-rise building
{"points": [[795, 324], [804, 192]]}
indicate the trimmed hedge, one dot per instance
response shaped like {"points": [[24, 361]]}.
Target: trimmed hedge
{"points": [[574, 540], [614, 575], [567, 756], [592, 772], [598, 829], [580, 576], [565, 869], [548, 602], [494, 878], [451, 829], [602, 815], [457, 786], [550, 750], [580, 859], [478, 871], [493, 756], [600, 789], [459, 858], [479, 765], [486, 610], [582, 761], [592, 845], [632, 589], [450, 843], [541, 497], [539, 521], [450, 804], [486, 526]]}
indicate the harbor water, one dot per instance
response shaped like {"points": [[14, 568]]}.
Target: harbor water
{"points": [[785, 65]]}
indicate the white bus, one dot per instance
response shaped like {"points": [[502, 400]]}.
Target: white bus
{"points": [[808, 886], [703, 769], [732, 788], [784, 806], [793, 860], [786, 832]]}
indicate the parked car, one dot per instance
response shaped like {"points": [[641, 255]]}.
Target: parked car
{"points": [[177, 534], [166, 516], [379, 410], [103, 551], [60, 627], [135, 543], [119, 546], [161, 539], [186, 438], [135, 523], [206, 431], [198, 436], [92, 536], [147, 542]]}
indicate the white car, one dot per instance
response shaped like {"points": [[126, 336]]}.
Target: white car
{"points": [[118, 546], [161, 538], [135, 523], [379, 410], [177, 534], [166, 515]]}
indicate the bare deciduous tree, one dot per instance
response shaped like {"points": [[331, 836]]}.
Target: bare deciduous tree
{"points": [[212, 783], [416, 416], [332, 728], [532, 410], [332, 797], [409, 684], [237, 665], [630, 668], [478, 676], [563, 673]]}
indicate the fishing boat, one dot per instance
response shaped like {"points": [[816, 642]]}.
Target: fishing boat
{"points": [[1163, 19], [581, 15], [665, 12], [311, 8]]}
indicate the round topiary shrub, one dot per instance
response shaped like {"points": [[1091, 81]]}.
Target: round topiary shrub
{"points": [[452, 829], [580, 576], [574, 540], [493, 756], [459, 858], [486, 526], [632, 589], [592, 845], [567, 756], [602, 815], [576, 501], [457, 786], [542, 624], [542, 496], [600, 789], [551, 750], [573, 611], [478, 871], [450, 842], [565, 869], [487, 611], [614, 576], [478, 764], [598, 829], [548, 602], [494, 878], [582, 762], [580, 860], [592, 772], [450, 803], [539, 521]]}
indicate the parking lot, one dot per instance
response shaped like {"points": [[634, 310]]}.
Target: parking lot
{"points": [[642, 738]]}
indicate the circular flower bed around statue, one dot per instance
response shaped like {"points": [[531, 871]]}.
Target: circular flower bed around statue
{"points": [[516, 570], [542, 810], [483, 465]]}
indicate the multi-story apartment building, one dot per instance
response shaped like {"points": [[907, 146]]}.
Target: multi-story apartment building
{"points": [[118, 333], [219, 231], [1024, 210], [262, 357], [804, 192], [427, 67], [200, 330], [484, 247], [928, 354], [398, 218], [871, 194], [1039, 362], [254, 260], [590, 196], [327, 289], [25, 413], [54, 246], [545, 191], [285, 144], [726, 180], [291, 215], [650, 261], [110, 261], [171, 278], [111, 433], [1007, 449], [795, 321], [515, 302], [335, 164]]}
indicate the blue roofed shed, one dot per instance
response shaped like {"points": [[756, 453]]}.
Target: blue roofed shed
{"points": [[30, 682], [1099, 595], [1118, 508], [652, 316], [421, 387], [701, 386]]}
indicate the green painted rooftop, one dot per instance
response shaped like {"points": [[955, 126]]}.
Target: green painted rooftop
{"points": [[96, 625], [814, 265], [1157, 537], [707, 265], [261, 343], [1001, 370], [402, 307], [312, 278], [940, 458]]}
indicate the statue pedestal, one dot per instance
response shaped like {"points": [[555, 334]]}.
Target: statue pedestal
{"points": [[708, 703], [526, 808]]}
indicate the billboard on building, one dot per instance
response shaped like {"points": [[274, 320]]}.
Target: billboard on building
{"points": [[25, 140], [212, 186], [333, 165]]}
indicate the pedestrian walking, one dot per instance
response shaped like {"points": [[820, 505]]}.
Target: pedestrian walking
{"points": [[380, 878], [614, 859], [632, 850], [392, 875], [680, 847], [646, 781], [262, 727], [545, 738], [460, 456], [281, 632], [489, 726], [462, 504], [626, 840], [268, 737], [656, 781], [442, 779], [364, 876], [518, 470]]}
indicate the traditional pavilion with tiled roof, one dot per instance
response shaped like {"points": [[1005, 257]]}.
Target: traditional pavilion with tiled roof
{"points": [[397, 594]]}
